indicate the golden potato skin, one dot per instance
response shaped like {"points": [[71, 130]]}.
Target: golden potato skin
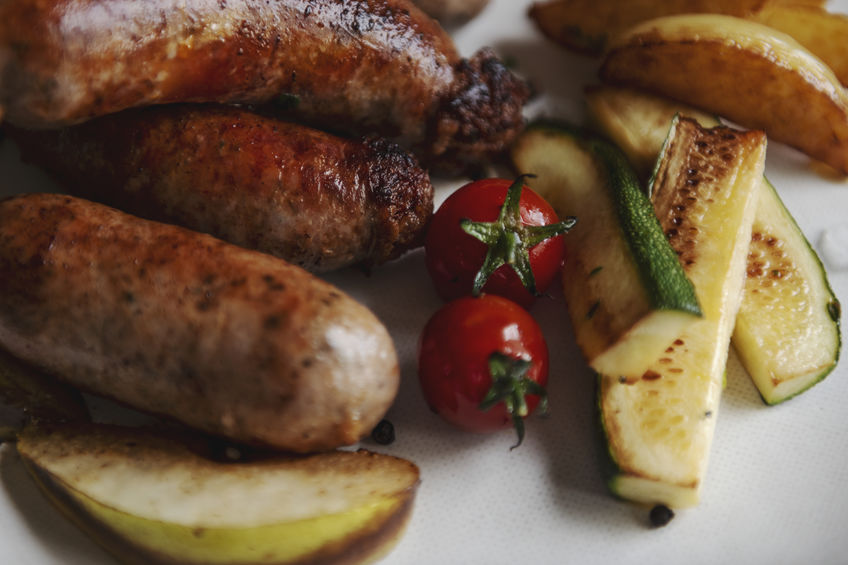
{"points": [[741, 70], [227, 340], [587, 26]]}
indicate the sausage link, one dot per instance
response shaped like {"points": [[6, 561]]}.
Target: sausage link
{"points": [[369, 67], [227, 340], [316, 200]]}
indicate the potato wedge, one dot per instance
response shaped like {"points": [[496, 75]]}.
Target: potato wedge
{"points": [[824, 34], [638, 122], [741, 70], [332, 507], [586, 26]]}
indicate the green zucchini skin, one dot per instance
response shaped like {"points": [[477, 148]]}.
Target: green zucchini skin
{"points": [[657, 262]]}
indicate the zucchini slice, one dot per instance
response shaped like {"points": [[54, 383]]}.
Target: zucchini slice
{"points": [[627, 294], [787, 331], [659, 424]]}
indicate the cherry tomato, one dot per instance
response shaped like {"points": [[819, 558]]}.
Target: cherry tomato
{"points": [[520, 257], [485, 351]]}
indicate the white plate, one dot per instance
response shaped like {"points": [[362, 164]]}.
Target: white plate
{"points": [[776, 489]]}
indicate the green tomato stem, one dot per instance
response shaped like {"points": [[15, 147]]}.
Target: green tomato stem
{"points": [[511, 386], [509, 240]]}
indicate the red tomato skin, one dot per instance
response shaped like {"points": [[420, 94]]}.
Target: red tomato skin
{"points": [[453, 359], [453, 257]]}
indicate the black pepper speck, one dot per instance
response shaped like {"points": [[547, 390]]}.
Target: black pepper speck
{"points": [[383, 433], [661, 515]]}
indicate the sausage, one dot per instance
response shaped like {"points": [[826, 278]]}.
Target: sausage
{"points": [[369, 67], [316, 200], [230, 341]]}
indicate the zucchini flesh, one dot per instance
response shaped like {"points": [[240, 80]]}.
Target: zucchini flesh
{"points": [[627, 294], [787, 332], [659, 424]]}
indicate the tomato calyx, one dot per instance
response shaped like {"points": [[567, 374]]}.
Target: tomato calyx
{"points": [[511, 386], [510, 240]]}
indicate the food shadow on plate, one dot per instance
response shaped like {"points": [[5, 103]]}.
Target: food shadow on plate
{"points": [[570, 436]]}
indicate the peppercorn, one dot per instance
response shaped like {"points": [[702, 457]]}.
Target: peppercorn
{"points": [[383, 433], [661, 515]]}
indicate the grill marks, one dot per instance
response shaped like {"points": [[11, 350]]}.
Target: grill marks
{"points": [[767, 260], [697, 177], [668, 365]]}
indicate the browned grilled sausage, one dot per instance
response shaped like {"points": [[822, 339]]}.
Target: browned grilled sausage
{"points": [[371, 67], [316, 200], [166, 320]]}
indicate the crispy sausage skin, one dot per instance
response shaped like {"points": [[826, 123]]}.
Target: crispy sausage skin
{"points": [[316, 200], [370, 67], [227, 340]]}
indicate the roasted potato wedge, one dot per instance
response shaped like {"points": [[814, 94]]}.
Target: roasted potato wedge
{"points": [[586, 26], [741, 70], [180, 507], [637, 122], [824, 34]]}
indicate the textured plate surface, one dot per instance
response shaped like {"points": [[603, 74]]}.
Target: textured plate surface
{"points": [[775, 491]]}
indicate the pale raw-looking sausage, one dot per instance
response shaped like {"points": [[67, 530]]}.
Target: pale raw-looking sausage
{"points": [[227, 340]]}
